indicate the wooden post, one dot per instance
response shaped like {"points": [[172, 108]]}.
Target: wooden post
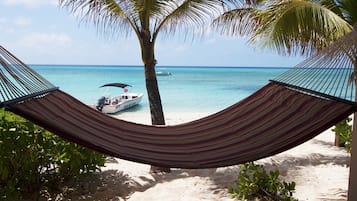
{"points": [[337, 140], [352, 193]]}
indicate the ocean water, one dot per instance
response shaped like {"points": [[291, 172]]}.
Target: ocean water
{"points": [[201, 89]]}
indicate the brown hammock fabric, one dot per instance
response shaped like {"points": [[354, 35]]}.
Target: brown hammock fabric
{"points": [[272, 120]]}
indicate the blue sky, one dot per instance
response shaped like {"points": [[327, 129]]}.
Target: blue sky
{"points": [[40, 32]]}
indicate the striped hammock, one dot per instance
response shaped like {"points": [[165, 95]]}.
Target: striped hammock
{"points": [[291, 109]]}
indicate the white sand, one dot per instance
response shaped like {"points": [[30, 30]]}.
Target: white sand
{"points": [[318, 168]]}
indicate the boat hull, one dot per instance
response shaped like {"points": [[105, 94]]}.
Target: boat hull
{"points": [[120, 103]]}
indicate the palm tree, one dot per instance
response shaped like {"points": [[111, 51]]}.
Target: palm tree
{"points": [[148, 18], [290, 26]]}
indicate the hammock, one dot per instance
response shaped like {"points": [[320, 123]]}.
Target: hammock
{"points": [[279, 116]]}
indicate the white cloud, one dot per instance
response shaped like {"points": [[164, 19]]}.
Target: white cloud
{"points": [[29, 3], [5, 26], [3, 20], [45, 40], [22, 21], [8, 26], [19, 21], [211, 41]]}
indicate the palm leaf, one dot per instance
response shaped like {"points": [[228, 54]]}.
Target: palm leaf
{"points": [[298, 26], [188, 16], [153, 16], [105, 14], [332, 5], [240, 21], [237, 22], [289, 26], [349, 8]]}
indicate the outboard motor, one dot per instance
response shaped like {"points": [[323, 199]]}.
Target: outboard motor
{"points": [[100, 103]]}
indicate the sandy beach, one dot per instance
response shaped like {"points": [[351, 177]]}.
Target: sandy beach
{"points": [[319, 169]]}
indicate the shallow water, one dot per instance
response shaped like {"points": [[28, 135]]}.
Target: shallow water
{"points": [[201, 89]]}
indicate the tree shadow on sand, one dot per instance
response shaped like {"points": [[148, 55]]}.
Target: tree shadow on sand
{"points": [[220, 179], [107, 185], [116, 185]]}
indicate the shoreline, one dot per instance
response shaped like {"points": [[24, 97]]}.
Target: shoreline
{"points": [[171, 118], [318, 168]]}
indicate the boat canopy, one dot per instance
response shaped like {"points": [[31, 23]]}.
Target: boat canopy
{"points": [[121, 85]]}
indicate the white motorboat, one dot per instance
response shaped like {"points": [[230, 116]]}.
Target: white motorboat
{"points": [[163, 73], [114, 104]]}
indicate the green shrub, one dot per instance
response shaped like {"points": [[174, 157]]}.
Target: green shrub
{"points": [[255, 183], [30, 156], [344, 131]]}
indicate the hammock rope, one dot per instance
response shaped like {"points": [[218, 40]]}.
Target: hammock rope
{"points": [[293, 108], [328, 72], [19, 82]]}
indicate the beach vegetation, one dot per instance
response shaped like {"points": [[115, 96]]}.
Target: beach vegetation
{"points": [[32, 158], [254, 182], [343, 130], [147, 20]]}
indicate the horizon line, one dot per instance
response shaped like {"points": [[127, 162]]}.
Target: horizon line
{"points": [[159, 66]]}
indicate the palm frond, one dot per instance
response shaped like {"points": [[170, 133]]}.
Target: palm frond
{"points": [[242, 20], [331, 5], [349, 9], [237, 22], [154, 16], [190, 15], [299, 27], [105, 14]]}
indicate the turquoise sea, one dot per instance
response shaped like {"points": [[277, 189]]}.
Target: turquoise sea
{"points": [[206, 89]]}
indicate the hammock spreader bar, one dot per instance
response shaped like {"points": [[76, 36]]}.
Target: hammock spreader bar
{"points": [[329, 71], [18, 81], [314, 93], [28, 97]]}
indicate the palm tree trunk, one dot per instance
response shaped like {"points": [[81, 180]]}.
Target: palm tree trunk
{"points": [[156, 111], [157, 114]]}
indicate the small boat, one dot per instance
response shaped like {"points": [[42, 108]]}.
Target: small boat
{"points": [[163, 73], [114, 104]]}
